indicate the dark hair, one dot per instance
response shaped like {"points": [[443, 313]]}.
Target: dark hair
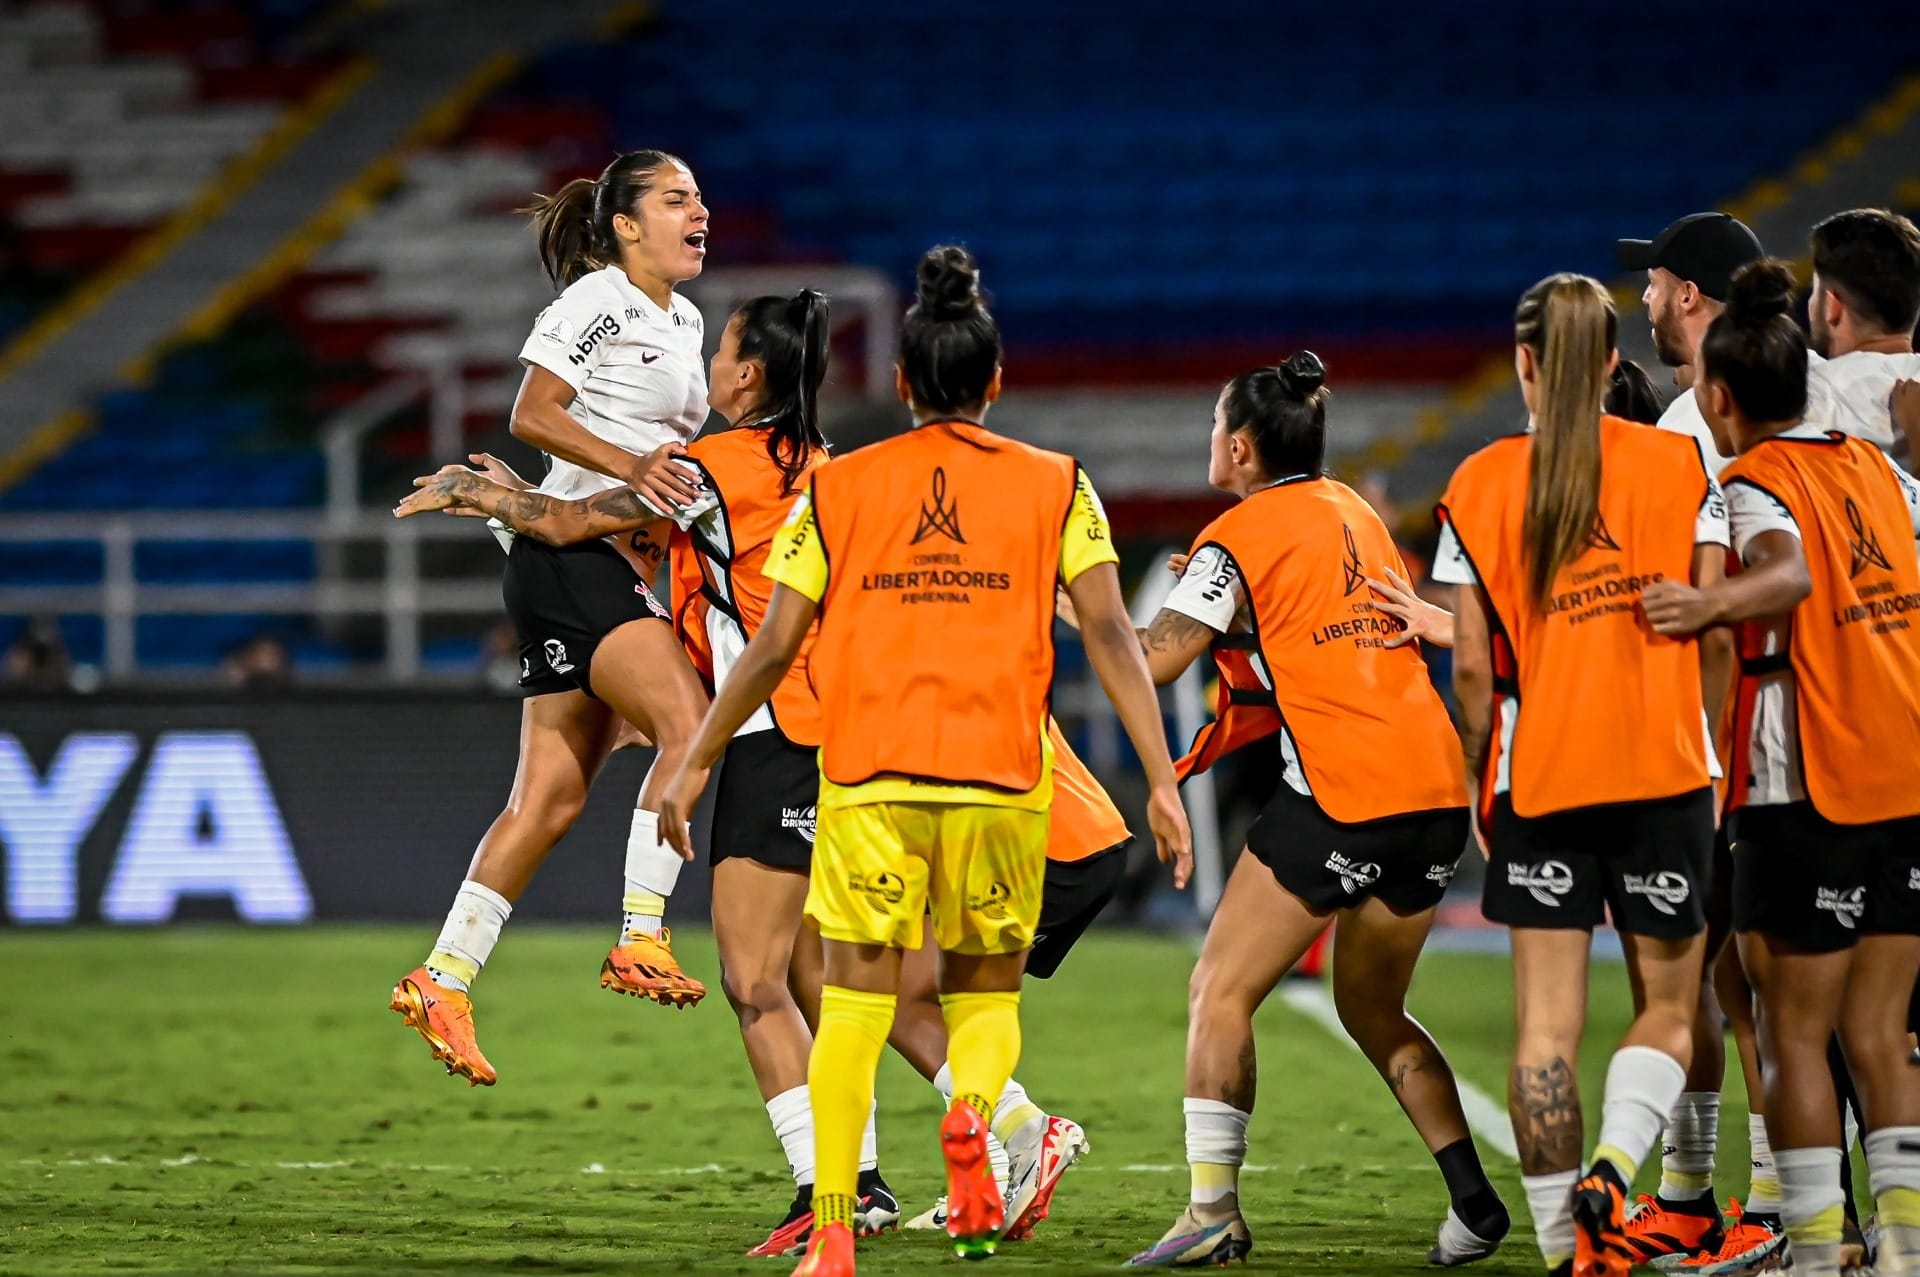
{"points": [[949, 343], [1630, 394], [1755, 349], [787, 337], [1871, 258], [1283, 411], [1569, 324], [575, 224]]}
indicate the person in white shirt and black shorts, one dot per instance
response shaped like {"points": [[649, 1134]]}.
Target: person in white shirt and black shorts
{"points": [[615, 386]]}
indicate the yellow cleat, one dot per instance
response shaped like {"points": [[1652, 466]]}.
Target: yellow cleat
{"points": [[644, 967], [444, 1017]]}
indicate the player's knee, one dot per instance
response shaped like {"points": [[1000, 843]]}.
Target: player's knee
{"points": [[1212, 991], [754, 993]]}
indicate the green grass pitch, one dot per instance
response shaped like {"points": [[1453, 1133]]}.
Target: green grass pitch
{"points": [[223, 1099]]}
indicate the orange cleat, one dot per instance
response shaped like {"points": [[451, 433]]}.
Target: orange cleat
{"points": [[444, 1017], [644, 967], [1747, 1248], [976, 1215], [829, 1253], [1600, 1246], [1656, 1231]]}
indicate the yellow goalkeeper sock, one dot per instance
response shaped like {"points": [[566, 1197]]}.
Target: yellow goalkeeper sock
{"points": [[983, 1046], [846, 1051]]}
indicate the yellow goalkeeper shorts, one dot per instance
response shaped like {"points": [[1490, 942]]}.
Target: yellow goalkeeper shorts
{"points": [[877, 867]]}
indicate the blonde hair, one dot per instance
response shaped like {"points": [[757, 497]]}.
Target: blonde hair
{"points": [[1568, 321]]}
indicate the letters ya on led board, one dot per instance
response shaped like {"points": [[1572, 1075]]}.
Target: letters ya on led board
{"points": [[204, 822]]}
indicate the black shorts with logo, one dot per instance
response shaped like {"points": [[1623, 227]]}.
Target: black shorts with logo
{"points": [[1405, 861], [1646, 863], [1819, 886], [765, 803], [1071, 897], [562, 601]]}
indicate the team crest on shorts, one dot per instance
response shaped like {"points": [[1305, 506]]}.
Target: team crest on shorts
{"points": [[802, 820], [1845, 906], [1443, 874], [882, 889], [557, 656], [1355, 875], [991, 903], [1663, 890]]}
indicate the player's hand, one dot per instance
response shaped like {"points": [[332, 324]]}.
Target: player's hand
{"points": [[1063, 606], [1422, 619], [662, 480], [676, 810], [1177, 563], [437, 491], [1172, 836], [1674, 609], [497, 470]]}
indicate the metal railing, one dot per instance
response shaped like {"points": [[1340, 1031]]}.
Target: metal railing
{"points": [[401, 595]]}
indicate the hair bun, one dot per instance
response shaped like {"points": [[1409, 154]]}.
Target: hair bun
{"points": [[1303, 373], [949, 283], [1760, 292]]}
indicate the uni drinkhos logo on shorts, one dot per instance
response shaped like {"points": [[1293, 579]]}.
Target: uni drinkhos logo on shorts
{"points": [[802, 820], [1355, 875], [1546, 882], [992, 903], [1365, 627], [882, 890], [938, 575], [556, 653], [1845, 906], [1664, 890], [1881, 602]]}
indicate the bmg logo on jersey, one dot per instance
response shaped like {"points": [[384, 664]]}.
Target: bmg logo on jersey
{"points": [[1546, 882], [1663, 890], [602, 328]]}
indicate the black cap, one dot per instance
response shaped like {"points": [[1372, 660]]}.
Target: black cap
{"points": [[1703, 248]]}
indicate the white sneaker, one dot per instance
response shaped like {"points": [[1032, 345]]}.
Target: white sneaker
{"points": [[1035, 1165], [934, 1218], [1458, 1244]]}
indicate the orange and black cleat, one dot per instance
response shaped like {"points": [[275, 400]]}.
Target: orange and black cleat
{"points": [[644, 967], [1600, 1247], [976, 1215], [829, 1253], [1660, 1230], [444, 1017]]}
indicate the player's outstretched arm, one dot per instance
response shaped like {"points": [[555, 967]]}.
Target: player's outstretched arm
{"points": [[535, 514], [768, 656], [1771, 582], [1473, 688], [540, 417], [1397, 598], [1115, 652]]}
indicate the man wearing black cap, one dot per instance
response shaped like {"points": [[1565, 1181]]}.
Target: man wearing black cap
{"points": [[1689, 269]]}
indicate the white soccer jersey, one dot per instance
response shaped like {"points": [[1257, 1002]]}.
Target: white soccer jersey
{"points": [[1854, 390], [1683, 414], [638, 376]]}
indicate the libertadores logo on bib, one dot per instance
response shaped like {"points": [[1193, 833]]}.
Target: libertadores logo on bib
{"points": [[1847, 907], [802, 820], [1546, 882], [1663, 890], [1355, 875], [1865, 544], [1353, 574], [943, 518], [557, 656]]}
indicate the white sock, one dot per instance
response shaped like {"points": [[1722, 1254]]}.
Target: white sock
{"points": [[1016, 1118], [1893, 1168], [996, 1151], [1763, 1192], [1812, 1207], [653, 869], [870, 1141], [791, 1113], [1550, 1202], [1216, 1147], [1643, 1085], [1693, 1136], [467, 939]]}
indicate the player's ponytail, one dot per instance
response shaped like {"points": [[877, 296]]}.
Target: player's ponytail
{"points": [[1568, 322], [787, 337], [949, 343], [1754, 348], [1283, 412], [574, 225]]}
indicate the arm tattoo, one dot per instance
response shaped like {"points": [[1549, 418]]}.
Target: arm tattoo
{"points": [[549, 519], [1174, 632], [1545, 1106]]}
